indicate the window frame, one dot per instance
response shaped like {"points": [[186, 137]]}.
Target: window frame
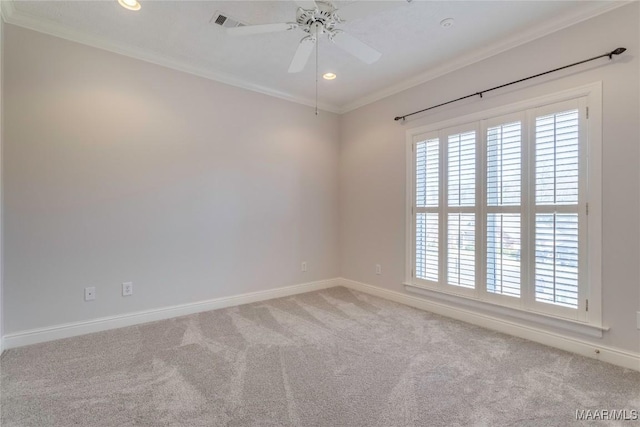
{"points": [[589, 266]]}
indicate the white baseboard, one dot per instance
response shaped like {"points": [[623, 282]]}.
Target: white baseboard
{"points": [[34, 336], [611, 355]]}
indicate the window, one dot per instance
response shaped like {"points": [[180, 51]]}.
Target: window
{"points": [[500, 206]]}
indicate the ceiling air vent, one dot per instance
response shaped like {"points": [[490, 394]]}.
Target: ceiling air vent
{"points": [[226, 21]]}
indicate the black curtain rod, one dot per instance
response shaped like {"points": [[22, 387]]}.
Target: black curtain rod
{"points": [[617, 51]]}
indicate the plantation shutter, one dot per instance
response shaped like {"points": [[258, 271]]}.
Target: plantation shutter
{"points": [[461, 209], [557, 185], [427, 205], [503, 207]]}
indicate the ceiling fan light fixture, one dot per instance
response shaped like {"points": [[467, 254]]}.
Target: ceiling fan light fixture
{"points": [[130, 4], [329, 76]]}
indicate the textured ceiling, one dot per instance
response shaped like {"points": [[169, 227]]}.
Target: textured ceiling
{"points": [[413, 44]]}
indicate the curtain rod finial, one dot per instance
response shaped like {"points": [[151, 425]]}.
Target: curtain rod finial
{"points": [[617, 51]]}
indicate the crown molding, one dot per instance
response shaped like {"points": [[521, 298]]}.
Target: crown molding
{"points": [[539, 31], [12, 16]]}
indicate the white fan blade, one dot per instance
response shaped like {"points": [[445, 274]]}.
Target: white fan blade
{"points": [[246, 30], [356, 48], [302, 55], [362, 8], [307, 4]]}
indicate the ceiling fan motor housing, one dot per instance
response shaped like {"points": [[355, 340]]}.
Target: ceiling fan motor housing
{"points": [[322, 19]]}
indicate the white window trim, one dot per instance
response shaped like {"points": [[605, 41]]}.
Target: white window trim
{"points": [[591, 323]]}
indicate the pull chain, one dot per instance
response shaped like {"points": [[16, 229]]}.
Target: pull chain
{"points": [[317, 45]]}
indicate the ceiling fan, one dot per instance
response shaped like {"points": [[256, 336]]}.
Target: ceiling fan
{"points": [[316, 18]]}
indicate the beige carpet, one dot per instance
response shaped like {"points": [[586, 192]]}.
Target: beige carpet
{"points": [[328, 358]]}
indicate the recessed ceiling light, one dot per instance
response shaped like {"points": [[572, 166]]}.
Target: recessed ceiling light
{"points": [[130, 4], [329, 76], [447, 23]]}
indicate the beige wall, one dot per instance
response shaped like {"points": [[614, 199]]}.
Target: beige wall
{"points": [[372, 156], [1, 185], [119, 170]]}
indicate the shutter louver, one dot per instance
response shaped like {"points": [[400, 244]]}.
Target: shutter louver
{"points": [[461, 250], [503, 165], [427, 173], [503, 254], [557, 259], [462, 169], [557, 159], [427, 246]]}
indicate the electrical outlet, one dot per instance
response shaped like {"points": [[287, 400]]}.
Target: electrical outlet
{"points": [[303, 266], [90, 293], [127, 289], [378, 269]]}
